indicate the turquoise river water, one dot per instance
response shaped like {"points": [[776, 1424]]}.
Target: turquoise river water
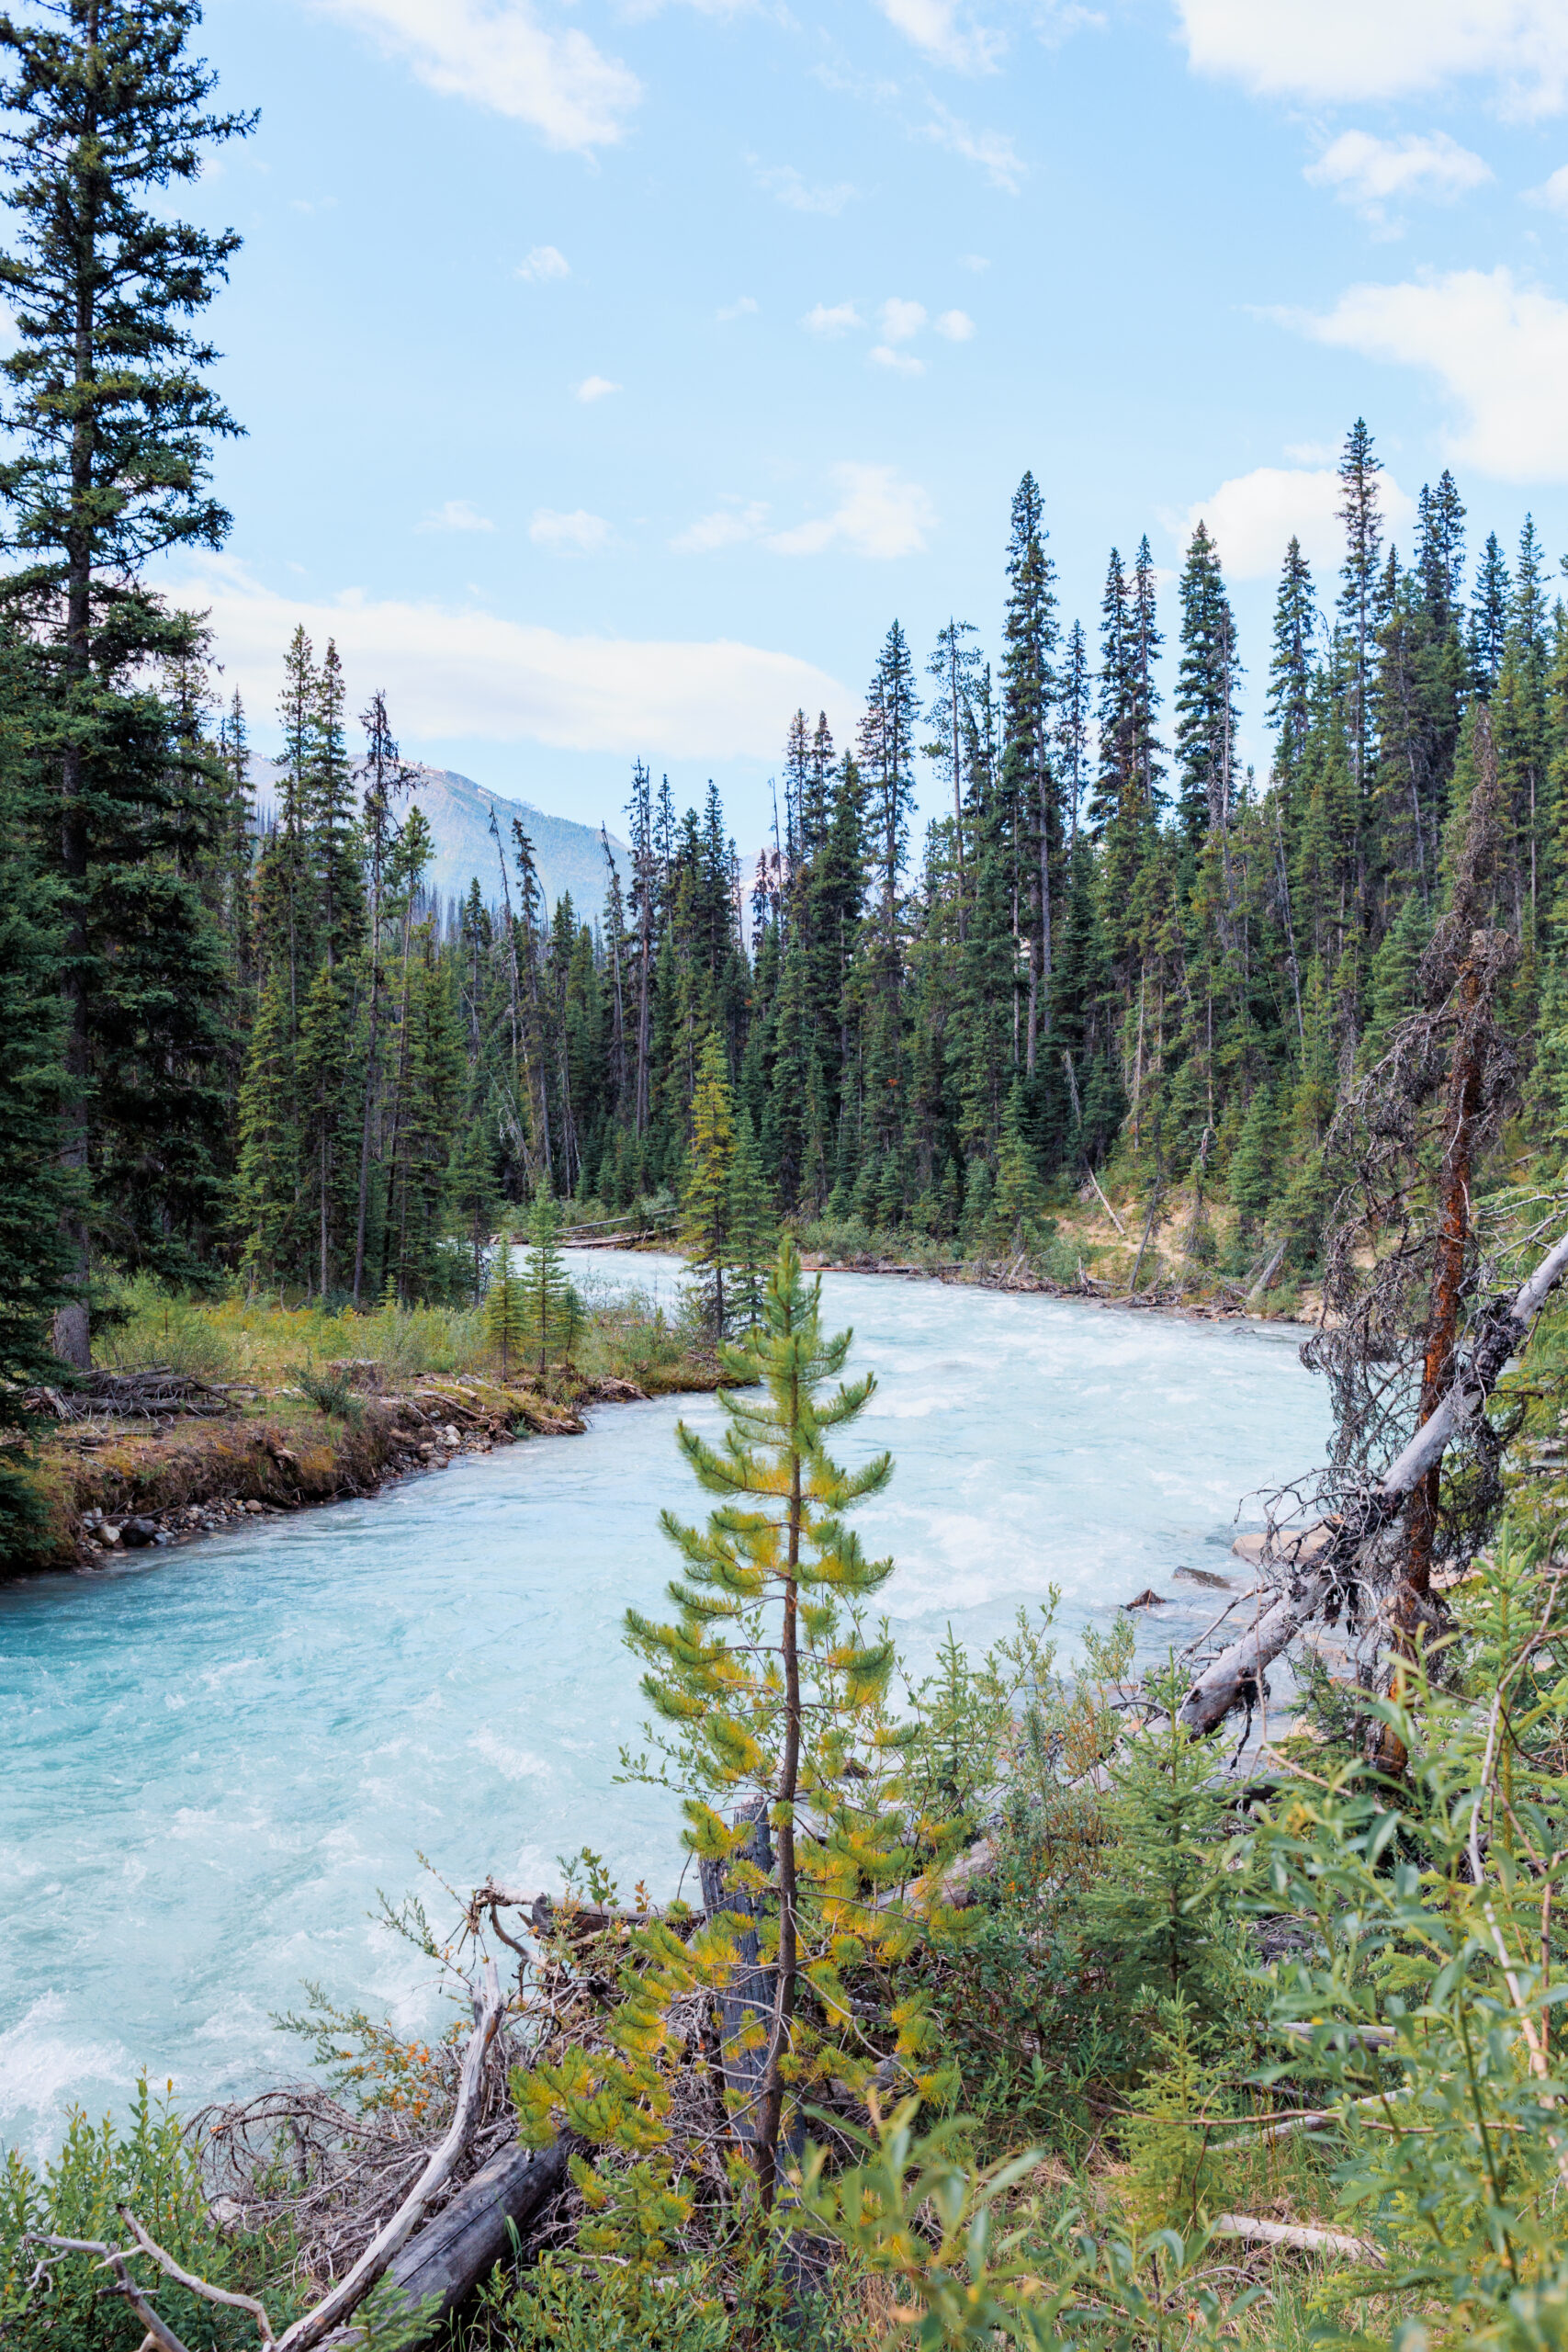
{"points": [[213, 1761]]}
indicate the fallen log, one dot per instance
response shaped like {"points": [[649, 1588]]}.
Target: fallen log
{"points": [[1298, 2239], [1502, 1330], [439, 2270]]}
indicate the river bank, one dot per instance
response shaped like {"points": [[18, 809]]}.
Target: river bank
{"points": [[212, 1414], [114, 1487]]}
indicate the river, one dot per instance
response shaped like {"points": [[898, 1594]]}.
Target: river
{"points": [[214, 1760]]}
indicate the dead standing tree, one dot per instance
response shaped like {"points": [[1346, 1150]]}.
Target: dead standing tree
{"points": [[1403, 1276]]}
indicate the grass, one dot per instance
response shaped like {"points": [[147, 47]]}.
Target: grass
{"points": [[260, 1341]]}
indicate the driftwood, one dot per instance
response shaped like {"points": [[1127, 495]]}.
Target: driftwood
{"points": [[1299, 2239], [133, 1396], [1502, 1331]]}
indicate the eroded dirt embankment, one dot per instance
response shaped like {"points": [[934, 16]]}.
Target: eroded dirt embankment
{"points": [[114, 1487]]}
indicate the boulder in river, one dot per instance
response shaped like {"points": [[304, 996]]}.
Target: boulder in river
{"points": [[139, 1533]]}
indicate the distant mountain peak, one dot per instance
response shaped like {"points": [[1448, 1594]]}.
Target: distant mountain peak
{"points": [[569, 855]]}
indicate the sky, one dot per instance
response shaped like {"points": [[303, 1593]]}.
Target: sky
{"points": [[614, 372]]}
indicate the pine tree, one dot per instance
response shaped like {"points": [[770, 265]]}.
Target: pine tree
{"points": [[35, 1260], [506, 1306], [774, 1702], [548, 1308], [705, 1202], [112, 426], [753, 1227]]}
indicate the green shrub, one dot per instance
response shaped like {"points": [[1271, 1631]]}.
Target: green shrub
{"points": [[329, 1390], [151, 2168]]}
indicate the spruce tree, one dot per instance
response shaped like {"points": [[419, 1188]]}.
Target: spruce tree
{"points": [[506, 1306], [1489, 616], [706, 1201], [37, 1266], [753, 1227], [547, 1305], [1015, 1202], [1361, 512], [1032, 800], [1291, 669], [111, 424], [1205, 694]]}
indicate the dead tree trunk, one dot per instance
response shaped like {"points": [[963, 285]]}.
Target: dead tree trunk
{"points": [[746, 2001], [1501, 1334], [1464, 1104]]}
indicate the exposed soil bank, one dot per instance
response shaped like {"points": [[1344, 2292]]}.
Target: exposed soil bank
{"points": [[118, 1486]]}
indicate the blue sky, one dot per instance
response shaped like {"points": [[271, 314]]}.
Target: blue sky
{"points": [[615, 374]]}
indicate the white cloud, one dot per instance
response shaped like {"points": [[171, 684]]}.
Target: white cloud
{"points": [[976, 262], [470, 673], [883, 354], [991, 150], [877, 515], [578, 532], [1367, 172], [745, 308], [1553, 193], [457, 514], [1346, 49], [838, 318], [900, 319], [957, 325], [728, 527], [497, 54], [1500, 349], [799, 195], [542, 263], [594, 387], [1253, 517], [946, 33]]}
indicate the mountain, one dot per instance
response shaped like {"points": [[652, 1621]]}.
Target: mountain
{"points": [[458, 810]]}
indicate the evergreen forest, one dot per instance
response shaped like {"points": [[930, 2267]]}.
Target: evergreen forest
{"points": [[1116, 957]]}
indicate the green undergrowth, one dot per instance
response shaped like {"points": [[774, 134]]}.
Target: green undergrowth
{"points": [[248, 1339], [148, 2164]]}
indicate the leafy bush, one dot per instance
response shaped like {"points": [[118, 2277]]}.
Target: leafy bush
{"points": [[329, 1388], [151, 2168], [148, 1324]]}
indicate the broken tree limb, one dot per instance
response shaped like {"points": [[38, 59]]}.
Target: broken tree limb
{"points": [[352, 2290], [1298, 2239], [1502, 1330]]}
